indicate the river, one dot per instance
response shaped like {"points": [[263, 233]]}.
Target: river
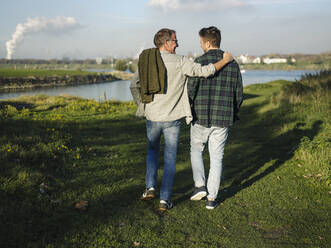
{"points": [[119, 90]]}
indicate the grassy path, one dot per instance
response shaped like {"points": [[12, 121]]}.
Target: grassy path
{"points": [[56, 151]]}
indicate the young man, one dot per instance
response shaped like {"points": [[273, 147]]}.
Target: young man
{"points": [[165, 111], [215, 101]]}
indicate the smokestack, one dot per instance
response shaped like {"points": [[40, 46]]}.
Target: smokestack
{"points": [[60, 24]]}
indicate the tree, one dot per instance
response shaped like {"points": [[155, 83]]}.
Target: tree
{"points": [[133, 67], [121, 65]]}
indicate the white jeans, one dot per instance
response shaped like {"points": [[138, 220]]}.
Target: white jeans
{"points": [[216, 138]]}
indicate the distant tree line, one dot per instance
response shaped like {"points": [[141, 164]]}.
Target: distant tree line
{"points": [[118, 64], [44, 61], [312, 58]]}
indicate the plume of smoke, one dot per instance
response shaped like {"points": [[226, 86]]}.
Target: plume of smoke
{"points": [[59, 24]]}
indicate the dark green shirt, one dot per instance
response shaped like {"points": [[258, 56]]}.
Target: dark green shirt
{"points": [[215, 101]]}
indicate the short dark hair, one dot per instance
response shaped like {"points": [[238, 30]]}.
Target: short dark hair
{"points": [[211, 34], [162, 36]]}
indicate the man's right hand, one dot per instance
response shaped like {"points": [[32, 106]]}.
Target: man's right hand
{"points": [[227, 57]]}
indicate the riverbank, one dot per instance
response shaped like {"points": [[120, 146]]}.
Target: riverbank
{"points": [[309, 62], [122, 75], [22, 79], [72, 171], [288, 67]]}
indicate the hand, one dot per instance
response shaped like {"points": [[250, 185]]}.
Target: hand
{"points": [[227, 57]]}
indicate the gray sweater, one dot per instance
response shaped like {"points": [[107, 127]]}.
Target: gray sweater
{"points": [[174, 104]]}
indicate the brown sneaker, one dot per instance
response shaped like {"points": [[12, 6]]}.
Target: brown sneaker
{"points": [[148, 194], [165, 205]]}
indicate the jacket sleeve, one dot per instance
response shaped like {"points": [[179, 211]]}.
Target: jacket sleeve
{"points": [[135, 92], [193, 69], [192, 87], [135, 88], [239, 92]]}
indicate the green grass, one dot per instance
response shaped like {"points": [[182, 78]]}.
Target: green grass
{"points": [[9, 72], [56, 151]]}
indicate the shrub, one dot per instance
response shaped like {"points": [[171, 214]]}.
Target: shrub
{"points": [[121, 65], [133, 68], [7, 111], [314, 87]]}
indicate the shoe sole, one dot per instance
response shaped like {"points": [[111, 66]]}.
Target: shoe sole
{"points": [[208, 207], [165, 208], [162, 209], [147, 198], [198, 196]]}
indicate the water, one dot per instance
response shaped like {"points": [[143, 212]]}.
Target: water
{"points": [[263, 76], [119, 90], [116, 90]]}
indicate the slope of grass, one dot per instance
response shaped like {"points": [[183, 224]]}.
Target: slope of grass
{"points": [[57, 151]]}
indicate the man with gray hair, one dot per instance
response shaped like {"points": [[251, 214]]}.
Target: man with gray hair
{"points": [[165, 109]]}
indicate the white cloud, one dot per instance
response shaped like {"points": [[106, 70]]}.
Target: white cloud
{"points": [[195, 5]]}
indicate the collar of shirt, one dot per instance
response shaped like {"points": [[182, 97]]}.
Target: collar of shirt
{"points": [[165, 52]]}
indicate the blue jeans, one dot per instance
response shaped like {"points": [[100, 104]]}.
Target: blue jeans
{"points": [[170, 132], [216, 138]]}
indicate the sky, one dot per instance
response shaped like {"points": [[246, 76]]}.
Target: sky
{"points": [[80, 29]]}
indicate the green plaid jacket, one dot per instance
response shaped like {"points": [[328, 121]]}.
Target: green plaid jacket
{"points": [[215, 101]]}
